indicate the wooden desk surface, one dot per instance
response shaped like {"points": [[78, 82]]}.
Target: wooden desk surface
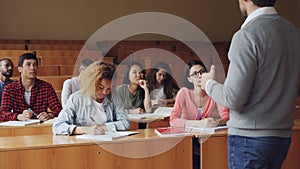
{"points": [[33, 129], [145, 150], [46, 146], [46, 128], [49, 140]]}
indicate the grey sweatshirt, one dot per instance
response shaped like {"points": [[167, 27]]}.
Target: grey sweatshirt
{"points": [[263, 78]]}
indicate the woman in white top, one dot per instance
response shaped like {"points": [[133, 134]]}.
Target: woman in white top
{"points": [[163, 87], [92, 110]]}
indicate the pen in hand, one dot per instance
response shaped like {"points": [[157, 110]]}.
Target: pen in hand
{"points": [[32, 112], [93, 121]]}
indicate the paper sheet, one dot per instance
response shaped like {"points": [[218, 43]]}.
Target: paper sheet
{"points": [[20, 123], [108, 136]]}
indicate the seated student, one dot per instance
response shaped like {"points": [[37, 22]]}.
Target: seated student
{"points": [[72, 85], [92, 110], [134, 91], [194, 104], [6, 72], [163, 88], [29, 97]]}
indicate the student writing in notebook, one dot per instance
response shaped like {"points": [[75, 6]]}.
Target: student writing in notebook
{"points": [[163, 88], [193, 107], [27, 93], [93, 110]]}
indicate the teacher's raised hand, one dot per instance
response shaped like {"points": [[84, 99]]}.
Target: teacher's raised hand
{"points": [[207, 76]]}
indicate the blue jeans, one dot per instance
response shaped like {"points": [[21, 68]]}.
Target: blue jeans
{"points": [[257, 152]]}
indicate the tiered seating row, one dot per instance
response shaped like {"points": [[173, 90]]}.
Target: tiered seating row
{"points": [[52, 70], [121, 50], [54, 47], [12, 44], [56, 57]]}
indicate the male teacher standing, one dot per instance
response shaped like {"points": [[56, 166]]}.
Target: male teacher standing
{"points": [[260, 88]]}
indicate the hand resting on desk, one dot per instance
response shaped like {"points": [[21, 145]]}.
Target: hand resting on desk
{"points": [[136, 111], [207, 122], [27, 115], [93, 130]]}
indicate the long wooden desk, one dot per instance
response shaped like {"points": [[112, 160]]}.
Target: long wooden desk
{"points": [[213, 149], [145, 150], [46, 128], [34, 129], [214, 152]]}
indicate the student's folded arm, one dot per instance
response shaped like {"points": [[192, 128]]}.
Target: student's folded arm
{"points": [[169, 101], [147, 101], [65, 124], [66, 92], [175, 119], [53, 102], [119, 119], [7, 115], [80, 130], [166, 102], [6, 107]]}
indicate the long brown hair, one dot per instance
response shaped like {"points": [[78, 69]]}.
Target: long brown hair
{"points": [[170, 86]]}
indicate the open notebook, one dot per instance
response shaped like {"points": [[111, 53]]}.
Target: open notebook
{"points": [[171, 131], [20, 123], [181, 131], [108, 136], [205, 130]]}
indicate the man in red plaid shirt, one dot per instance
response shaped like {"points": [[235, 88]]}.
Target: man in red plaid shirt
{"points": [[29, 97]]}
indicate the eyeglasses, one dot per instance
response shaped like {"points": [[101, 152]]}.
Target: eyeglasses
{"points": [[196, 74]]}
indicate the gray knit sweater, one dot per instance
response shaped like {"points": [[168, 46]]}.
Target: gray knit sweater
{"points": [[263, 78]]}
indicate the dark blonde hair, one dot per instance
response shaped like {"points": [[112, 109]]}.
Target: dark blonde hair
{"points": [[93, 74]]}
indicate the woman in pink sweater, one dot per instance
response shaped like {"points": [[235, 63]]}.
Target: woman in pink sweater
{"points": [[192, 104]]}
